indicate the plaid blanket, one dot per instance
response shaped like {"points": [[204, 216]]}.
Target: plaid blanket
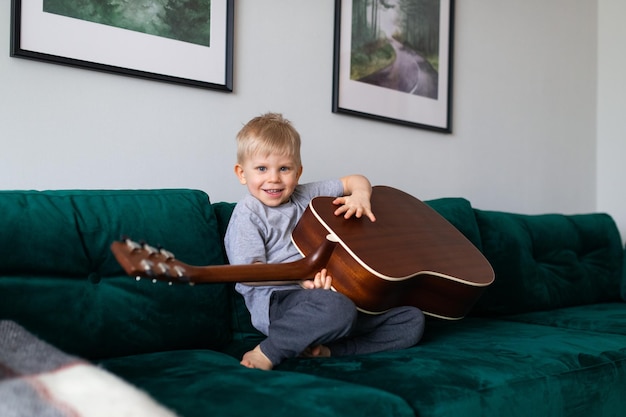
{"points": [[38, 380]]}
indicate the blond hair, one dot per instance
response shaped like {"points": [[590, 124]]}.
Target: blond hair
{"points": [[268, 134]]}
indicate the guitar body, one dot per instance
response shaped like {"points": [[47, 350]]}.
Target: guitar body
{"points": [[410, 256]]}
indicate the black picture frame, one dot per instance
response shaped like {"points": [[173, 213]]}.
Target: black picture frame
{"points": [[366, 80], [62, 39]]}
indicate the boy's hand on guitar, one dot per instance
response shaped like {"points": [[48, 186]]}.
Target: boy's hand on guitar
{"points": [[357, 204], [322, 280]]}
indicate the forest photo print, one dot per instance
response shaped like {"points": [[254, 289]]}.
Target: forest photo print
{"points": [[186, 42], [183, 20], [392, 61]]}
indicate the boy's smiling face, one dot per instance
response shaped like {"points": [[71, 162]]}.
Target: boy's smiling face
{"points": [[270, 178]]}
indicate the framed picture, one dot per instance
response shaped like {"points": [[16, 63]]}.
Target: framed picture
{"points": [[393, 61], [178, 41]]}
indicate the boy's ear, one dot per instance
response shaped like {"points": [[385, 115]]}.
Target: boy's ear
{"points": [[299, 172], [240, 174]]}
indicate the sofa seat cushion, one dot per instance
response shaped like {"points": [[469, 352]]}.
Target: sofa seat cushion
{"points": [[59, 279], [199, 383], [549, 261], [493, 368], [602, 317]]}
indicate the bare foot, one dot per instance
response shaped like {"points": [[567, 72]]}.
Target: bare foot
{"points": [[256, 359], [319, 351]]}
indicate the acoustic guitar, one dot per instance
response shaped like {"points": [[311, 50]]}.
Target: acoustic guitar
{"points": [[410, 255]]}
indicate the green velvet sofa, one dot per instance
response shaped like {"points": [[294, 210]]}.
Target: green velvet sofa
{"points": [[548, 338]]}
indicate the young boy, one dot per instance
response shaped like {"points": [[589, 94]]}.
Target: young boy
{"points": [[300, 317]]}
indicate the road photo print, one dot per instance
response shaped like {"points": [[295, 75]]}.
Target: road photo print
{"points": [[393, 61]]}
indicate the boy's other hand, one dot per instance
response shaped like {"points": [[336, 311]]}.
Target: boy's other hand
{"points": [[322, 280]]}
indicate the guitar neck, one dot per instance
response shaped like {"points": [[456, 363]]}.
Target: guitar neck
{"points": [[145, 261]]}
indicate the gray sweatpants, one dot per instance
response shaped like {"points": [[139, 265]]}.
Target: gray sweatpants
{"points": [[303, 318]]}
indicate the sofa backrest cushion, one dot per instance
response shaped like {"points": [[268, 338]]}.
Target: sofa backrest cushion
{"points": [[549, 261], [59, 279], [458, 211]]}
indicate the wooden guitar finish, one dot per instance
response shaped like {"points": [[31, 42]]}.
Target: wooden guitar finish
{"points": [[409, 256], [142, 260]]}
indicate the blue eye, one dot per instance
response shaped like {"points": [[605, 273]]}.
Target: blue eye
{"points": [[284, 169], [262, 169]]}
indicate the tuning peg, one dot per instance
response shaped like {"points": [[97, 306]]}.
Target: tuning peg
{"points": [[150, 249], [148, 267], [132, 245], [180, 273], [167, 254], [163, 269]]}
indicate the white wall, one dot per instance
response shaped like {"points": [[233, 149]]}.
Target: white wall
{"points": [[611, 110], [525, 85]]}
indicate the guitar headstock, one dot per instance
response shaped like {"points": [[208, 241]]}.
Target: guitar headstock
{"points": [[142, 260]]}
